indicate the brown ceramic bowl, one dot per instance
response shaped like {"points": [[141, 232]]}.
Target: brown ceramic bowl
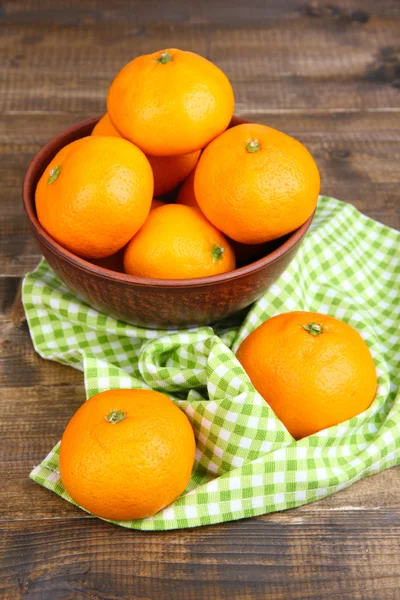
{"points": [[153, 302]]}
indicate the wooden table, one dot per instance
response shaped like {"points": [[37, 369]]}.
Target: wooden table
{"points": [[327, 73]]}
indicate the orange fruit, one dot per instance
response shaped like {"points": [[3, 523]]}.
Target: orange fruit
{"points": [[126, 454], [313, 370], [168, 171], [256, 184], [170, 102], [186, 193], [104, 127], [94, 195], [244, 253], [156, 203], [177, 242]]}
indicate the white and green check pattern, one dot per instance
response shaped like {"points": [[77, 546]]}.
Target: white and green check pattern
{"points": [[246, 462]]}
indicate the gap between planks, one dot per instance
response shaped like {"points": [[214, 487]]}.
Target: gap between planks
{"points": [[260, 111], [297, 519]]}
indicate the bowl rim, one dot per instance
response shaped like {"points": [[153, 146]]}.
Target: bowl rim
{"points": [[28, 192]]}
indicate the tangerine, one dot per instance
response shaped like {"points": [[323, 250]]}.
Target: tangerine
{"points": [[126, 454], [177, 242], [94, 195], [256, 184], [313, 370], [170, 102]]}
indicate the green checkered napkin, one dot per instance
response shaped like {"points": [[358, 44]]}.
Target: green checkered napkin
{"points": [[246, 462]]}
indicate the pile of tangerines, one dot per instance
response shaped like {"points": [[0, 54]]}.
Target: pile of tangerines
{"points": [[166, 126], [127, 454]]}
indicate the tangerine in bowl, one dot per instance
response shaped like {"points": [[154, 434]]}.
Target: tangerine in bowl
{"points": [[149, 301]]}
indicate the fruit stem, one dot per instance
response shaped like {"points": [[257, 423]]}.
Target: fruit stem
{"points": [[54, 174], [253, 146], [216, 252], [115, 416], [313, 328], [164, 57]]}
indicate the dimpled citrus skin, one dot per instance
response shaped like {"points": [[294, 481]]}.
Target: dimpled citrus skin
{"points": [[101, 197], [170, 108], [177, 242], [311, 382], [186, 193], [104, 127], [244, 253], [133, 468], [255, 197]]}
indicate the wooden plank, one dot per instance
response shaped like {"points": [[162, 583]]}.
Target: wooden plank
{"points": [[24, 132], [310, 62], [20, 366], [175, 11], [357, 152], [344, 557], [22, 499]]}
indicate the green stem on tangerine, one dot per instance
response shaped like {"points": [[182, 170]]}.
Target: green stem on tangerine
{"points": [[164, 57], [313, 328], [216, 252], [115, 416], [253, 146], [54, 174]]}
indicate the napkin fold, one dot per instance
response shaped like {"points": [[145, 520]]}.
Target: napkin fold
{"points": [[246, 462]]}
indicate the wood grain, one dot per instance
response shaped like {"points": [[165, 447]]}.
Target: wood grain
{"points": [[224, 12], [328, 557], [325, 71], [324, 61]]}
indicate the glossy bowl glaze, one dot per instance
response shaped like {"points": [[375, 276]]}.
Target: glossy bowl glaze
{"points": [[153, 303]]}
